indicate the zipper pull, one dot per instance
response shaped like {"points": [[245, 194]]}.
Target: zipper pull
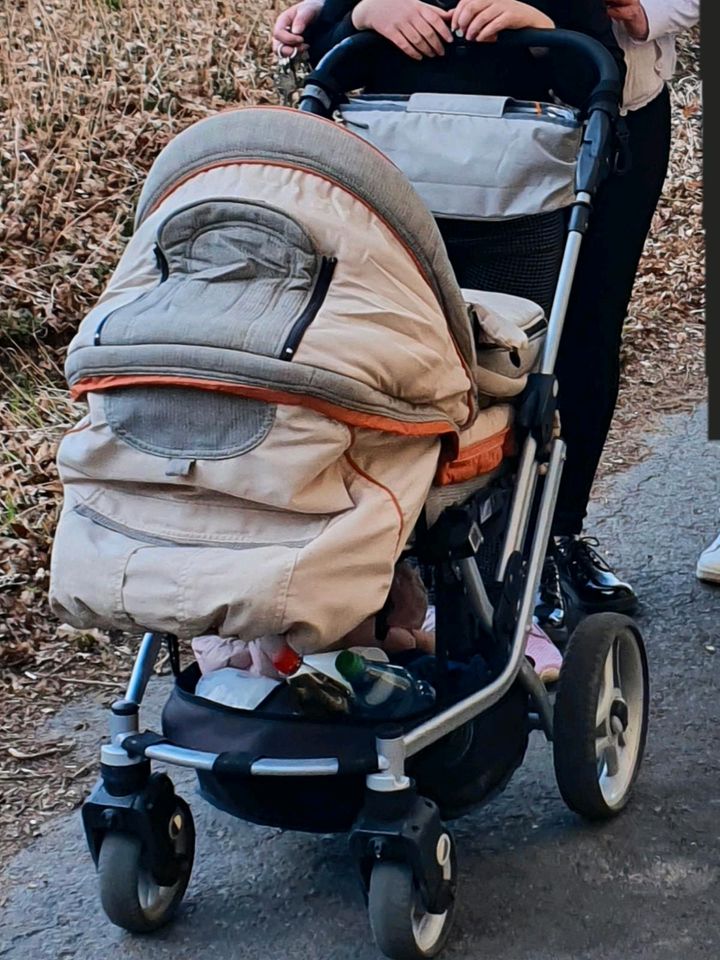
{"points": [[162, 264]]}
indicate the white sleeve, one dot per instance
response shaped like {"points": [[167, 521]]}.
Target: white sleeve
{"points": [[670, 16]]}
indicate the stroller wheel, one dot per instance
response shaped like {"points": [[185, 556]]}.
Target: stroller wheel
{"points": [[130, 895], [601, 715], [403, 929]]}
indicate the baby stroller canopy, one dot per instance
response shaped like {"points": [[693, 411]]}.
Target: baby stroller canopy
{"points": [[268, 375], [266, 235]]}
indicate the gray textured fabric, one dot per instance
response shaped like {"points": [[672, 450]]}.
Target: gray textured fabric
{"points": [[179, 467], [309, 142], [232, 366], [185, 424], [238, 276], [474, 157]]}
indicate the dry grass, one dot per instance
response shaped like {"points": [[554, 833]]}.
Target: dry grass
{"points": [[90, 90]]}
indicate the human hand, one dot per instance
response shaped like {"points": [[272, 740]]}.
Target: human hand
{"points": [[291, 25], [632, 14], [482, 20], [417, 28]]}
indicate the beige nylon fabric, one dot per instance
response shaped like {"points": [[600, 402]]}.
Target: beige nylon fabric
{"points": [[381, 323], [301, 140], [298, 536]]}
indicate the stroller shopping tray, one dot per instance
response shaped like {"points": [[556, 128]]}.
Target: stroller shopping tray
{"points": [[247, 737], [256, 750]]}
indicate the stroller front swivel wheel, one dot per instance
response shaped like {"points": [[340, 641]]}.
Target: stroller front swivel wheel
{"points": [[131, 896], [601, 715], [401, 925]]}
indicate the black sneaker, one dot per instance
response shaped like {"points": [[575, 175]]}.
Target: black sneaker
{"points": [[590, 577]]}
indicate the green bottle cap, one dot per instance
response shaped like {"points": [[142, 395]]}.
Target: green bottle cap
{"points": [[349, 664]]}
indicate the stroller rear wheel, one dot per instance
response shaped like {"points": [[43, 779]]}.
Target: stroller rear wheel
{"points": [[130, 895], [601, 715], [402, 927]]}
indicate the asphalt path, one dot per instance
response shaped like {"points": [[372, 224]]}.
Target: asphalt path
{"points": [[535, 882]]}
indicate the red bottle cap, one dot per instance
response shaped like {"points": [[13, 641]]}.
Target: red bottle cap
{"points": [[286, 661]]}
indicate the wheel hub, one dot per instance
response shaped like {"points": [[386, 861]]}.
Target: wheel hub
{"points": [[617, 732]]}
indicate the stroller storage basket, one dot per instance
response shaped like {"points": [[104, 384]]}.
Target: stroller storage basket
{"points": [[461, 770]]}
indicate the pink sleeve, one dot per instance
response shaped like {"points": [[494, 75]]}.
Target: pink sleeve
{"points": [[670, 16]]}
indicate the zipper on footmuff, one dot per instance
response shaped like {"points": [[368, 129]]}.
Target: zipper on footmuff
{"points": [[163, 267], [317, 297]]}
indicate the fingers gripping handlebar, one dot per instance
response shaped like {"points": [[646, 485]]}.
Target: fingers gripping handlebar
{"points": [[347, 67]]}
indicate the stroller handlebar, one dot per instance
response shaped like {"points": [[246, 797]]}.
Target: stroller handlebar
{"points": [[344, 68], [607, 92]]}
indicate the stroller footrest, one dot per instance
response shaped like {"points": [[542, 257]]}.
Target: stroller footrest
{"points": [[153, 746], [244, 764]]}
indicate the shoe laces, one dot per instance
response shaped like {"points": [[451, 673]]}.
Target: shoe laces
{"points": [[582, 551]]}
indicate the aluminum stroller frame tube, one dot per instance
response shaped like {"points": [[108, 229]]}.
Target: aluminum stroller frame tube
{"points": [[563, 291], [527, 475], [520, 507], [143, 667], [124, 714], [460, 713]]}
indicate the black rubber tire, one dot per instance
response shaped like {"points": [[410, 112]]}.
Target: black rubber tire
{"points": [[391, 900], [576, 704], [120, 868]]}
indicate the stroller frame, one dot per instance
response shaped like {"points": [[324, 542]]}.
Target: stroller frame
{"points": [[391, 801]]}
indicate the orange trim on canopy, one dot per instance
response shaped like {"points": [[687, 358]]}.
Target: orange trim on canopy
{"points": [[476, 460], [354, 418], [387, 490]]}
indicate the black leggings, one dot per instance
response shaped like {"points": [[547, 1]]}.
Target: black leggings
{"points": [[588, 365], [522, 257]]}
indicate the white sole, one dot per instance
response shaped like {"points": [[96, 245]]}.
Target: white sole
{"points": [[707, 576]]}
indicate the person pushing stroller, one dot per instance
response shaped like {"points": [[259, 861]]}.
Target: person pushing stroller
{"points": [[486, 256]]}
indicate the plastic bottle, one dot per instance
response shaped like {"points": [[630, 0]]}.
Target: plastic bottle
{"points": [[383, 690], [318, 692]]}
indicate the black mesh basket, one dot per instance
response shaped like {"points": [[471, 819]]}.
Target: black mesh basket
{"points": [[520, 256]]}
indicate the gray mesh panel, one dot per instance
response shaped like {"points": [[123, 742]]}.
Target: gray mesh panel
{"points": [[187, 423], [301, 139], [239, 276], [521, 256]]}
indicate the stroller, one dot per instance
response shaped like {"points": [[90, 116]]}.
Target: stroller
{"points": [[422, 423]]}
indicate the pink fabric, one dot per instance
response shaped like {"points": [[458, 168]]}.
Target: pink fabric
{"points": [[544, 655], [214, 653]]}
